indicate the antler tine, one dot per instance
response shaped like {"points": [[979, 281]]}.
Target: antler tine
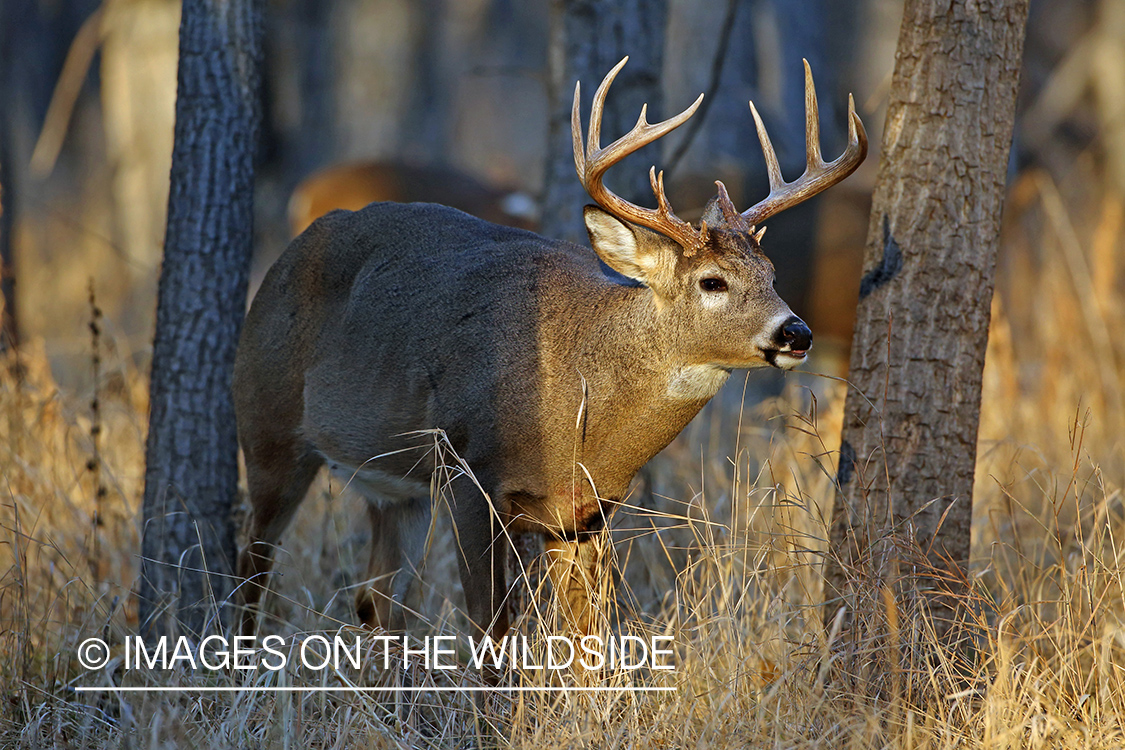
{"points": [[812, 122], [818, 175], [594, 139], [657, 182], [731, 216], [772, 167], [857, 136], [576, 132], [592, 161]]}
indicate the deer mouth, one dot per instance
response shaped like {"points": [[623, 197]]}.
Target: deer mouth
{"points": [[785, 359]]}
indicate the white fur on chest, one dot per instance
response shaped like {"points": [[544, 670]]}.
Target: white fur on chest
{"points": [[697, 382]]}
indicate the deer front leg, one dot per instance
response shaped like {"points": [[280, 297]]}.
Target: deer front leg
{"points": [[580, 582], [482, 559]]}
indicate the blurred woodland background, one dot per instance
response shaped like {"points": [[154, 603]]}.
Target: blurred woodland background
{"points": [[451, 100], [453, 90]]}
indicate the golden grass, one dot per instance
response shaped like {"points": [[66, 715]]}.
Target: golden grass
{"points": [[729, 571]]}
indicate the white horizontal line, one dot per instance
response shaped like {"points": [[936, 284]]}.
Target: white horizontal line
{"points": [[433, 689]]}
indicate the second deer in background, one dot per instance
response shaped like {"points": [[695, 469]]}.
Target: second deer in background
{"points": [[353, 185]]}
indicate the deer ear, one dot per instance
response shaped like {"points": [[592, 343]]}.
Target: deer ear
{"points": [[621, 247]]}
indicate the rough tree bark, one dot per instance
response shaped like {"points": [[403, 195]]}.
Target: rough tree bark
{"points": [[191, 476], [589, 37], [911, 415]]}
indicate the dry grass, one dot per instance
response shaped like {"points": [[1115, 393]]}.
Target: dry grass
{"points": [[729, 569]]}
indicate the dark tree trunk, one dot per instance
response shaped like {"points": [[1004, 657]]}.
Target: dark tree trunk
{"points": [[803, 31], [9, 321], [589, 37], [191, 476], [315, 145], [9, 28], [910, 427], [425, 127]]}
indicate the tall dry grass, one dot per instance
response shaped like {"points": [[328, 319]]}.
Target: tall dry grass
{"points": [[728, 568]]}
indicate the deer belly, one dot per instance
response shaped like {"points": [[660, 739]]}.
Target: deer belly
{"points": [[379, 487]]}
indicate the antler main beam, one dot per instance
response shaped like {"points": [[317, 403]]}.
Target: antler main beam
{"points": [[818, 175], [592, 161]]}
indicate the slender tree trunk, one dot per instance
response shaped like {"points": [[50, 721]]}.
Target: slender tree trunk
{"points": [[803, 32], [316, 136], [9, 321], [589, 37], [9, 28], [425, 126], [191, 477], [910, 428]]}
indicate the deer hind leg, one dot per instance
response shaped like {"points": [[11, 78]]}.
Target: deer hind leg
{"points": [[578, 579], [398, 546], [276, 490]]}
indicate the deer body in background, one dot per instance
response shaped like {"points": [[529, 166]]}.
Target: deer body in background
{"points": [[553, 381], [352, 185]]}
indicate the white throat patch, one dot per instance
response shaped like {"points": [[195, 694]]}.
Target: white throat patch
{"points": [[697, 382]]}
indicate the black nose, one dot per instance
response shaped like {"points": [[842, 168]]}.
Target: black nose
{"points": [[795, 334]]}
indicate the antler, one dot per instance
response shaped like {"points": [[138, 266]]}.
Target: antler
{"points": [[818, 175], [593, 161]]}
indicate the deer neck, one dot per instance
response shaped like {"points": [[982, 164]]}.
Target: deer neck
{"points": [[639, 392]]}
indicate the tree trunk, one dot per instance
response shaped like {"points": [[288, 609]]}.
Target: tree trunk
{"points": [[802, 33], [425, 131], [316, 135], [9, 321], [589, 37], [9, 28], [191, 476], [911, 415]]}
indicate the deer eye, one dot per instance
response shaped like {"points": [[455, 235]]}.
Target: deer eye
{"points": [[712, 284]]}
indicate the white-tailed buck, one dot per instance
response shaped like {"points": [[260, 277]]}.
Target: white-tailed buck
{"points": [[553, 381]]}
